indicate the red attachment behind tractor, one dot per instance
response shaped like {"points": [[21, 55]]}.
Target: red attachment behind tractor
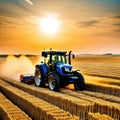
{"points": [[28, 79]]}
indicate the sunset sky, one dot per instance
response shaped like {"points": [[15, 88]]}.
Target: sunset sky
{"points": [[85, 26]]}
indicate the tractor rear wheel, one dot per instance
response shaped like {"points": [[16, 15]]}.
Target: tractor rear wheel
{"points": [[38, 77], [54, 82], [79, 83]]}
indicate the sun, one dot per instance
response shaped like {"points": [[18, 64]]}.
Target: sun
{"points": [[50, 24]]}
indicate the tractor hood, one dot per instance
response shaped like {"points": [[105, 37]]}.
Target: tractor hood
{"points": [[64, 67], [60, 64]]}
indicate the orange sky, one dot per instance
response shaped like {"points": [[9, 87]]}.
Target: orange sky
{"points": [[86, 26]]}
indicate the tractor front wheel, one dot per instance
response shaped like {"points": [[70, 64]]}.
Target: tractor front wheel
{"points": [[54, 82], [38, 77], [79, 83]]}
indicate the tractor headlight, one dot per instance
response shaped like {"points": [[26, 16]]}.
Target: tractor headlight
{"points": [[67, 70]]}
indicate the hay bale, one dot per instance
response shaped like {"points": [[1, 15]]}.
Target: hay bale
{"points": [[8, 111], [107, 89], [68, 103], [38, 109], [98, 116]]}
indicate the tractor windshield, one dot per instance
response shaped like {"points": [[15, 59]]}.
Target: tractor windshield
{"points": [[59, 58]]}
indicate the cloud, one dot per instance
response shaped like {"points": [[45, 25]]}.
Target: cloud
{"points": [[117, 17], [108, 26], [6, 21], [101, 22], [89, 23], [117, 30], [29, 1], [117, 24], [18, 9]]}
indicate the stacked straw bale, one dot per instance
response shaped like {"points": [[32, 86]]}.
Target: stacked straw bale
{"points": [[8, 111], [103, 96], [100, 105], [78, 104], [74, 105], [36, 108], [107, 89], [98, 116]]}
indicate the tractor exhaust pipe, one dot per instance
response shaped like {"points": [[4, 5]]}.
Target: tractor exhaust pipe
{"points": [[69, 57]]}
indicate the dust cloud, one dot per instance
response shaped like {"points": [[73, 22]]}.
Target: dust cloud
{"points": [[13, 66]]}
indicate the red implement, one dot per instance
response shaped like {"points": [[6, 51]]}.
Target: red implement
{"points": [[28, 79]]}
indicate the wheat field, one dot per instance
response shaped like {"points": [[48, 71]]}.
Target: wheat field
{"points": [[102, 66], [100, 100]]}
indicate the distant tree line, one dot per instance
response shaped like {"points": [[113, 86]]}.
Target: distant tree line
{"points": [[111, 54], [3, 56], [27, 55]]}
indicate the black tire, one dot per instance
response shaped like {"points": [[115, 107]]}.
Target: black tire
{"points": [[39, 78], [54, 82], [63, 82], [79, 83]]}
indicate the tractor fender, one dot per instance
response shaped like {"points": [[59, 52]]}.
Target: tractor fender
{"points": [[43, 68]]}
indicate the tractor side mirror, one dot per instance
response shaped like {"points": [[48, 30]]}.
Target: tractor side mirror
{"points": [[44, 54], [73, 56]]}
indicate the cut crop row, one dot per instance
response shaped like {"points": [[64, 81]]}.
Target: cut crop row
{"points": [[94, 73], [100, 105], [107, 81], [68, 103], [103, 96], [107, 89], [35, 107], [99, 68], [111, 82], [101, 80], [8, 111], [98, 116]]}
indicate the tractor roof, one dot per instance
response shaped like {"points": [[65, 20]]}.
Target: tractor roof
{"points": [[53, 53]]}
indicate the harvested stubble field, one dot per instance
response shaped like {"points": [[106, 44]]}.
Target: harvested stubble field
{"points": [[100, 100], [101, 66]]}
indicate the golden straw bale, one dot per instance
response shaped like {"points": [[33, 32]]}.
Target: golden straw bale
{"points": [[68, 103], [33, 105], [98, 116], [107, 89], [8, 111]]}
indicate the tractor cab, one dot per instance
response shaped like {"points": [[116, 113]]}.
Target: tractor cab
{"points": [[51, 58]]}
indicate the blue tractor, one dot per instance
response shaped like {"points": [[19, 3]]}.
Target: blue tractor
{"points": [[56, 71]]}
